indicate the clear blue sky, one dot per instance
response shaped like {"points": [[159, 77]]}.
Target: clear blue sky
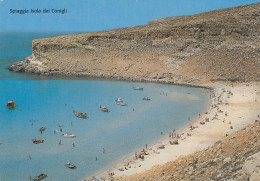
{"points": [[95, 15]]}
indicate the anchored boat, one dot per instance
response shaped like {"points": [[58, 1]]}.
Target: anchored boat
{"points": [[120, 102], [138, 88], [68, 135], [146, 99], [80, 115], [35, 141], [40, 177], [10, 104], [104, 108], [70, 165], [119, 99]]}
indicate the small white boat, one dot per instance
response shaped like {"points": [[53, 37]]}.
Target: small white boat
{"points": [[70, 165], [68, 135], [40, 177], [138, 88], [120, 102], [119, 99], [104, 108]]}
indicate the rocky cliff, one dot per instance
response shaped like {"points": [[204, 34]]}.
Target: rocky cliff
{"points": [[217, 45]]}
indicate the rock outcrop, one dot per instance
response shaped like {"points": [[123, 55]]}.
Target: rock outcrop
{"points": [[217, 45]]}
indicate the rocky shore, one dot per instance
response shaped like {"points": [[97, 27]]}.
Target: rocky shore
{"points": [[212, 46]]}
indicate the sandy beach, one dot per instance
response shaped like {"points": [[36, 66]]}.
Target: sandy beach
{"points": [[232, 107]]}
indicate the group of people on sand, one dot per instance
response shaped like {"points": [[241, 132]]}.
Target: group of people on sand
{"points": [[111, 174], [173, 135], [126, 167]]}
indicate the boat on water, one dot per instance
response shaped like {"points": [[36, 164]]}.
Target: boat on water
{"points": [[40, 177], [35, 141], [42, 128], [138, 88], [146, 99], [68, 135], [70, 165], [119, 99], [120, 102], [104, 108], [79, 114], [10, 104]]}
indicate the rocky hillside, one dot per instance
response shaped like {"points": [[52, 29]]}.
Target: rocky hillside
{"points": [[218, 45], [234, 158]]}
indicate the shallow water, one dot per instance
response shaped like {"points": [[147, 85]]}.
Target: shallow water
{"points": [[50, 103], [120, 131]]}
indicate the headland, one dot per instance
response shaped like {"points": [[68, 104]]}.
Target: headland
{"points": [[218, 49]]}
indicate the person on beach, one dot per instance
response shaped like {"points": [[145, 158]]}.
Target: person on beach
{"points": [[96, 158], [170, 134], [146, 146], [161, 133], [133, 109], [60, 129], [104, 151], [60, 142], [73, 145]]}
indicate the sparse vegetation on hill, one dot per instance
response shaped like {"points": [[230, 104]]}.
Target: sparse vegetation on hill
{"points": [[217, 45]]}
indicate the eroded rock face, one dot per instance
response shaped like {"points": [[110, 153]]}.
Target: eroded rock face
{"points": [[252, 166], [217, 45]]}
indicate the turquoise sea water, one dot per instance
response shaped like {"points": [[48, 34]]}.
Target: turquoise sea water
{"points": [[50, 103]]}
